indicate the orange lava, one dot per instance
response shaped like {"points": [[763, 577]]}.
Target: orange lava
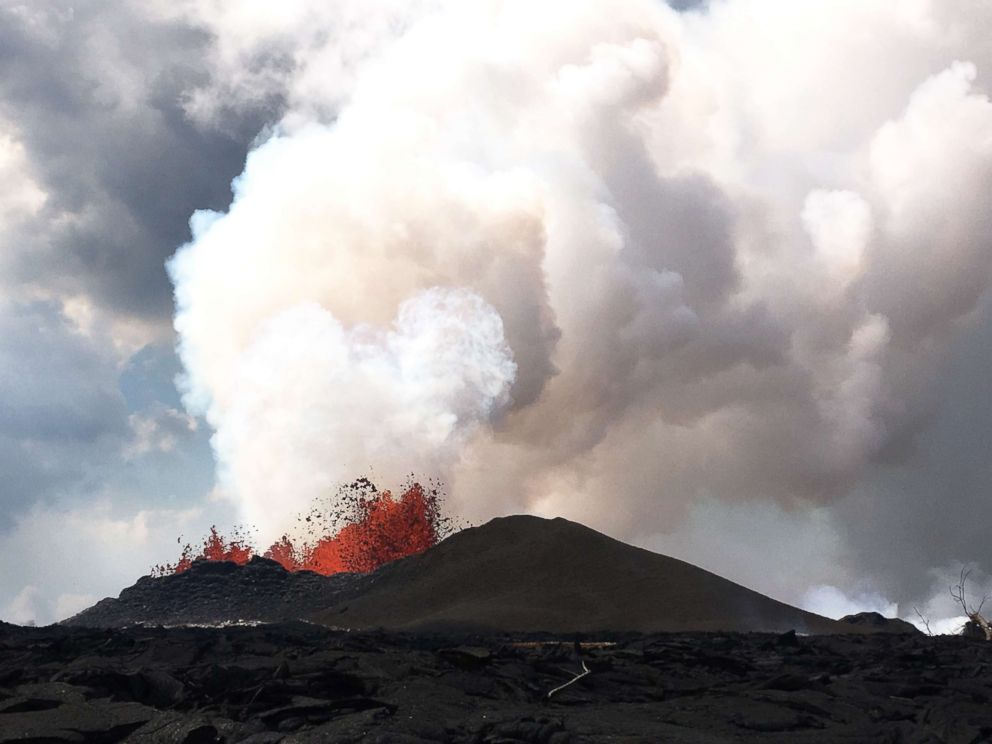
{"points": [[378, 528], [215, 548]]}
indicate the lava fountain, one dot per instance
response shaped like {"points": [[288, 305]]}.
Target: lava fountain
{"points": [[365, 529]]}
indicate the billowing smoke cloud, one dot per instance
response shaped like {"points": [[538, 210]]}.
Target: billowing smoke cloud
{"points": [[315, 403], [587, 262]]}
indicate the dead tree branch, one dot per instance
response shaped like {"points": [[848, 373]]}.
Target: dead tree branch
{"points": [[924, 620], [960, 596], [583, 673]]}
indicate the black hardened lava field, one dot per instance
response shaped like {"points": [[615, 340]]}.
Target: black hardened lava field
{"points": [[306, 683], [520, 631]]}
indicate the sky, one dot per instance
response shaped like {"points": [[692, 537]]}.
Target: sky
{"points": [[710, 277]]}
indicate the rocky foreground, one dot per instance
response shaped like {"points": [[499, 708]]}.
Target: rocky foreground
{"points": [[305, 683]]}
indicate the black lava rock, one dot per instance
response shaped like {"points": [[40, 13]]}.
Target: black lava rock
{"points": [[879, 623], [300, 683], [215, 593]]}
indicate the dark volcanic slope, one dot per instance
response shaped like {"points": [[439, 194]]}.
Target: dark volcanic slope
{"points": [[218, 592], [515, 574], [529, 574]]}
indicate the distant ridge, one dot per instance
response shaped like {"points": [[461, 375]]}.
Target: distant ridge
{"points": [[524, 573]]}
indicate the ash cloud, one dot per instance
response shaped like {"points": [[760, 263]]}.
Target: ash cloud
{"points": [[730, 248]]}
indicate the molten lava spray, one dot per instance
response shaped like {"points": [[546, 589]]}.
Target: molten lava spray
{"points": [[215, 547], [377, 528]]}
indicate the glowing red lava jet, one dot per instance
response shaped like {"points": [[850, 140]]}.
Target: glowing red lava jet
{"points": [[377, 528]]}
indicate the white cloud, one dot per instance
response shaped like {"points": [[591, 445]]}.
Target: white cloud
{"points": [[21, 196], [67, 559], [159, 429], [23, 608], [67, 605], [839, 224]]}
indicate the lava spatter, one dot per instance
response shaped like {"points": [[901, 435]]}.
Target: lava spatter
{"points": [[365, 529], [215, 547]]}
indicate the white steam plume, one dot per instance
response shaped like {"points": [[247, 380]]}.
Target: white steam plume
{"points": [[313, 403], [726, 249]]}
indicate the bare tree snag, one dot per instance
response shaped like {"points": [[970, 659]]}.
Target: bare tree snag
{"points": [[925, 620], [974, 614], [583, 673]]}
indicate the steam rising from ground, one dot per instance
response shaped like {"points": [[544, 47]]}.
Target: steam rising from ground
{"points": [[587, 261]]}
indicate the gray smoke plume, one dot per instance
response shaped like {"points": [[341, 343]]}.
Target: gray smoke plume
{"points": [[589, 262]]}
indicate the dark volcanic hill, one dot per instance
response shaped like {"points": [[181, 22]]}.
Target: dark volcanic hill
{"points": [[515, 574], [525, 573]]}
